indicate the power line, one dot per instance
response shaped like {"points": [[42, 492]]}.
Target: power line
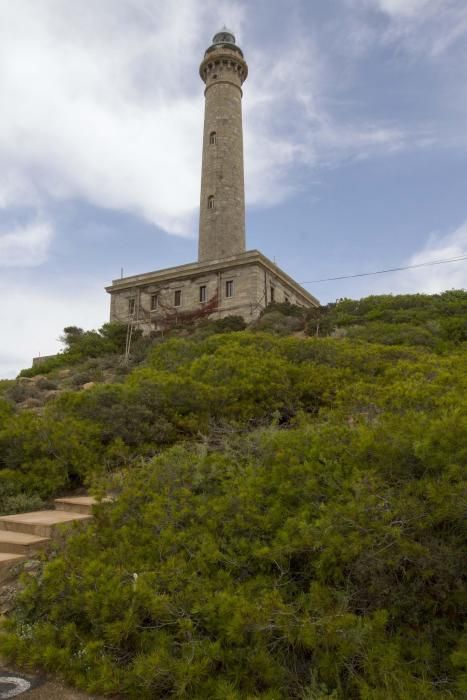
{"points": [[390, 269]]}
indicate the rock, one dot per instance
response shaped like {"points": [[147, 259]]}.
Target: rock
{"points": [[30, 403], [32, 565], [64, 373], [88, 385], [51, 394], [45, 384], [7, 597]]}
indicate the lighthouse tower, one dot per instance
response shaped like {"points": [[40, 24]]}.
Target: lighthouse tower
{"points": [[222, 202], [227, 279]]}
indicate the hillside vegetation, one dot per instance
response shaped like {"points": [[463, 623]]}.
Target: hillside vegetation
{"points": [[289, 513]]}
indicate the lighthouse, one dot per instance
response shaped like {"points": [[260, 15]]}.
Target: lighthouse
{"points": [[222, 201]]}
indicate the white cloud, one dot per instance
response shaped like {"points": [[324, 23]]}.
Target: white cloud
{"points": [[102, 102], [432, 279], [438, 278], [35, 316], [288, 123], [25, 246], [420, 26], [405, 8]]}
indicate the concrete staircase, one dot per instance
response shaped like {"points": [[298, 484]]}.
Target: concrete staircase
{"points": [[24, 534]]}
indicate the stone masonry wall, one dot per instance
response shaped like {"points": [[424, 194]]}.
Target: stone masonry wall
{"points": [[252, 285], [222, 201], [246, 299]]}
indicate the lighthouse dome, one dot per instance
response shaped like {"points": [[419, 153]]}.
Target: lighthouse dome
{"points": [[225, 36]]}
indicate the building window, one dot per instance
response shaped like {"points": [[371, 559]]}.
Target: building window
{"points": [[272, 290], [229, 289], [202, 293], [131, 306], [211, 201], [154, 301], [178, 298], [212, 138], [286, 300]]}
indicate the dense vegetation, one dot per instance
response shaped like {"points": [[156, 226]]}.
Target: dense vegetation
{"points": [[289, 519]]}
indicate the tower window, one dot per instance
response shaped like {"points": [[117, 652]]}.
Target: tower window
{"points": [[131, 306], [211, 202], [154, 301], [229, 289], [178, 297], [212, 138], [272, 294], [202, 293]]}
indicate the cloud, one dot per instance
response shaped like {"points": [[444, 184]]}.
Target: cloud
{"points": [[289, 124], [438, 278], [404, 8], [102, 103], [27, 246], [432, 279], [419, 26], [40, 314]]}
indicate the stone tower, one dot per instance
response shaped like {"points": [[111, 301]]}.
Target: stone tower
{"points": [[227, 280], [222, 204]]}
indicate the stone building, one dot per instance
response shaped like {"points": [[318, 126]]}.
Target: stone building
{"points": [[227, 279]]}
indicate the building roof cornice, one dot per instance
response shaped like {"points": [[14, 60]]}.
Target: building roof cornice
{"points": [[181, 272]]}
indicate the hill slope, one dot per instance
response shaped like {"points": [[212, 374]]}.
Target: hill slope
{"points": [[290, 510]]}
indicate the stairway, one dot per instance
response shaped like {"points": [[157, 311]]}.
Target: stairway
{"points": [[24, 534]]}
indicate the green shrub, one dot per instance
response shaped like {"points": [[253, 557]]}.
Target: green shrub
{"points": [[319, 556], [276, 322], [20, 503], [40, 455], [5, 384], [290, 562], [81, 345]]}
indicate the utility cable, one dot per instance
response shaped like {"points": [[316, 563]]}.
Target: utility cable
{"points": [[390, 269]]}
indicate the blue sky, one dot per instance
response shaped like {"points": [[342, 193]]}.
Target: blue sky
{"points": [[355, 115]]}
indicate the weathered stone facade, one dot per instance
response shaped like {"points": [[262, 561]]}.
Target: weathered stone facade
{"points": [[240, 285], [222, 201], [226, 280]]}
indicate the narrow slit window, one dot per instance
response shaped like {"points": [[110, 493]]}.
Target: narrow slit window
{"points": [[272, 292], [154, 301], [229, 289], [202, 294], [131, 306], [178, 297], [213, 138], [211, 202]]}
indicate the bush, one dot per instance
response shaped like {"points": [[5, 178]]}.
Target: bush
{"points": [[301, 538], [291, 561], [21, 391], [81, 345], [40, 455], [276, 322], [5, 384], [418, 319], [20, 503]]}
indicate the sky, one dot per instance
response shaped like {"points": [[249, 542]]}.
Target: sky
{"points": [[355, 115]]}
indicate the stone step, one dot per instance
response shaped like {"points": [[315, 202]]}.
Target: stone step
{"points": [[41, 523], [21, 543], [76, 504], [7, 560]]}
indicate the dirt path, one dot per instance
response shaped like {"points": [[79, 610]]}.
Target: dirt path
{"points": [[14, 684]]}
